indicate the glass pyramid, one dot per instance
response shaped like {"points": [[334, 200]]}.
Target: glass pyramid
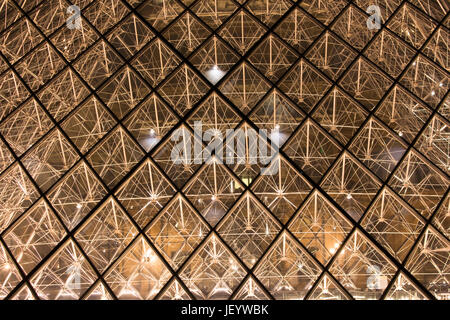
{"points": [[95, 94]]}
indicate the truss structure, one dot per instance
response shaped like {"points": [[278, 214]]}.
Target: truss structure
{"points": [[93, 207]]}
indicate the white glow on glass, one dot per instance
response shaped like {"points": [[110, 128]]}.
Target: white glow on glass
{"points": [[214, 74]]}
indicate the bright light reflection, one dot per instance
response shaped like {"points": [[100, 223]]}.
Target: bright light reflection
{"points": [[277, 137], [214, 74]]}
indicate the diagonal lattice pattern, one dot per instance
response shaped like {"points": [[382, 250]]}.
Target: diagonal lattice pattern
{"points": [[93, 207]]}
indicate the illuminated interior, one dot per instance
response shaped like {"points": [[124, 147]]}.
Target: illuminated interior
{"points": [[92, 206]]}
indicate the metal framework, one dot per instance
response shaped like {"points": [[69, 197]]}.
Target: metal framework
{"points": [[93, 207]]}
